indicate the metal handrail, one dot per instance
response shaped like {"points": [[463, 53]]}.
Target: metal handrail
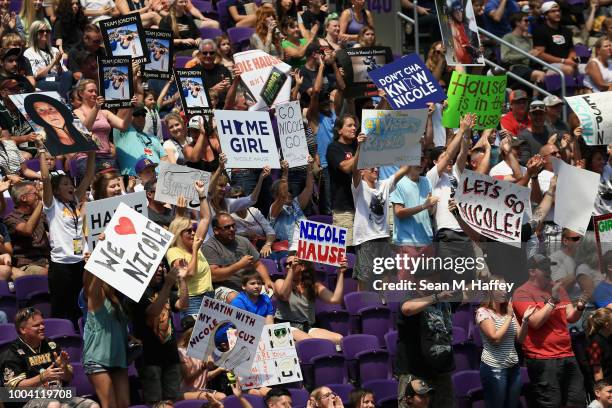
{"points": [[517, 78]]}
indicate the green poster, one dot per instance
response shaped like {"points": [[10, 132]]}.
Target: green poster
{"points": [[479, 94]]}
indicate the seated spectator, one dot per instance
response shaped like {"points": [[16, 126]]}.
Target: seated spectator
{"points": [[599, 349], [353, 19], [9, 70], [98, 10], [554, 120], [181, 23], [251, 224], [230, 256], [520, 37], [603, 395], [242, 13], [252, 300], [267, 37], [13, 40], [278, 397], [366, 37], [205, 140], [324, 397], [414, 393], [331, 39], [224, 52], [158, 212], [215, 74], [497, 16], [70, 24], [517, 119], [12, 22], [315, 15], [28, 228], [553, 42], [361, 398], [296, 295], [30, 12], [598, 73], [286, 9], [40, 364], [294, 46], [86, 51], [181, 148], [536, 134], [143, 7]]}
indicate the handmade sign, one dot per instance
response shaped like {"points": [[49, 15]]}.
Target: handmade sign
{"points": [[603, 233], [478, 94], [459, 32], [256, 67], [116, 82], [247, 139], [276, 361], [130, 253], [321, 243], [291, 133], [575, 196], [213, 315], [161, 50], [357, 63], [125, 37], [407, 83], [62, 132], [492, 207], [194, 94], [174, 181], [100, 212], [595, 114], [393, 137]]}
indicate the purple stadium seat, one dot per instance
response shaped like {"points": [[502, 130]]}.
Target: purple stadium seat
{"points": [[326, 219], [224, 16], [9, 207], [31, 288], [233, 402], [355, 302], [80, 381], [203, 6], [463, 316], [272, 268], [375, 320], [342, 390], [373, 365], [299, 397], [391, 342], [552, 83], [8, 301], [354, 344], [211, 33], [71, 344], [181, 60], [475, 335], [382, 389], [190, 403], [459, 335], [467, 356], [463, 382], [15, 5], [138, 406], [336, 321], [58, 327], [328, 369], [7, 332], [309, 348], [583, 52], [388, 402]]}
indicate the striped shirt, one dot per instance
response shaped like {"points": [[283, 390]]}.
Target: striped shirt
{"points": [[10, 158], [502, 354]]}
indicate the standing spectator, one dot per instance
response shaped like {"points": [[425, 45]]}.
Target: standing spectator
{"points": [[555, 375], [152, 105], [564, 268], [239, 16], [497, 15], [517, 119], [225, 55], [267, 36], [294, 46], [598, 74], [518, 63], [353, 19], [602, 296], [179, 21], [599, 349], [554, 109], [553, 42], [286, 9], [158, 212], [536, 134], [331, 39], [89, 46]]}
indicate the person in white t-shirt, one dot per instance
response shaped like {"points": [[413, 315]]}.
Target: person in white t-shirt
{"points": [[371, 227], [551, 231]]}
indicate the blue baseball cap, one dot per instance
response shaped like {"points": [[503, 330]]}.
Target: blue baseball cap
{"points": [[143, 164]]}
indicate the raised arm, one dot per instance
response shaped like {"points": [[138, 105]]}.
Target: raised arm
{"points": [[467, 123], [264, 173], [361, 139], [204, 210], [214, 179], [46, 179], [90, 173], [336, 297], [304, 197]]}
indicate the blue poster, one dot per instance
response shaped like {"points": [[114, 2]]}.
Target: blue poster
{"points": [[408, 83]]}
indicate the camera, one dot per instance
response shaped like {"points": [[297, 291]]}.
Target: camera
{"points": [[197, 88], [130, 37], [162, 51]]}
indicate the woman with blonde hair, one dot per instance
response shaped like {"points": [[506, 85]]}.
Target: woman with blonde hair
{"points": [[181, 23], [267, 36], [598, 74], [598, 331], [181, 148], [31, 11]]}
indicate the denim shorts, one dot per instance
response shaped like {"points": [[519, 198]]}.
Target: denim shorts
{"points": [[91, 367]]}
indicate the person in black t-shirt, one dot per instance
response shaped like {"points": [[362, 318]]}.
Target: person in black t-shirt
{"points": [[536, 135], [158, 212], [216, 76], [179, 21], [239, 17], [552, 42], [315, 15]]}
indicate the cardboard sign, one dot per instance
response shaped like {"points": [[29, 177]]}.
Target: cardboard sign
{"points": [[174, 180], [116, 82], [276, 361], [128, 257], [256, 67], [62, 132], [161, 53], [408, 83], [575, 196], [291, 133], [247, 139], [321, 243], [125, 37], [214, 314], [603, 233], [393, 137], [595, 114], [100, 212], [478, 94], [492, 207], [193, 91], [459, 33], [357, 63]]}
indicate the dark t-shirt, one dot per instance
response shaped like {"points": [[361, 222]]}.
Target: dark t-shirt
{"points": [[215, 75], [534, 142], [342, 197], [239, 7], [28, 249], [187, 29], [556, 42], [164, 219], [78, 55], [309, 19], [217, 253]]}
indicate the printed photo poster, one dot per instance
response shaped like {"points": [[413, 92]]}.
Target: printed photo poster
{"points": [[100, 212], [62, 131], [247, 138], [174, 180], [125, 37], [603, 233], [357, 63], [492, 207], [479, 94], [116, 82], [321, 243], [393, 137], [595, 114], [212, 316], [256, 67], [130, 253], [276, 361], [194, 94], [459, 32], [407, 83], [161, 50], [291, 133]]}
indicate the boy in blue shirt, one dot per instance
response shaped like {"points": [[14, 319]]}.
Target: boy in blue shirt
{"points": [[252, 300]]}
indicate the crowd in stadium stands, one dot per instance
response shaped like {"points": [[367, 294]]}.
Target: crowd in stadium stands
{"points": [[546, 344]]}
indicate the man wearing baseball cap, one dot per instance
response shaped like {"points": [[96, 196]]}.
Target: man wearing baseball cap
{"points": [[554, 373], [553, 42], [536, 135], [554, 109], [145, 168], [517, 119], [414, 393]]}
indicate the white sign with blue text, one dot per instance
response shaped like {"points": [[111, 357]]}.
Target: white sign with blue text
{"points": [[291, 133], [595, 114]]}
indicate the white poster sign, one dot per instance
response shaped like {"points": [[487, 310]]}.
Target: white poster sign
{"points": [[128, 257], [595, 114], [100, 212], [291, 133], [247, 139], [256, 67], [575, 196], [214, 314], [321, 243], [492, 207], [276, 361], [175, 180], [393, 137]]}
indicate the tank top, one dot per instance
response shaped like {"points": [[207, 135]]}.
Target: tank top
{"points": [[101, 130], [105, 337], [606, 74], [298, 309], [355, 26]]}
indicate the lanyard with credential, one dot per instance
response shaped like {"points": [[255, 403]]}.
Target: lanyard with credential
{"points": [[75, 218]]}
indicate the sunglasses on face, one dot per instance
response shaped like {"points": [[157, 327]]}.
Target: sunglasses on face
{"points": [[208, 53], [575, 239]]}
